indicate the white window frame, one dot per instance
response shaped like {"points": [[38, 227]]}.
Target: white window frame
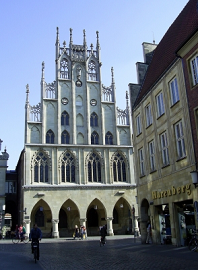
{"points": [[149, 118], [138, 124], [164, 148], [160, 104], [194, 69], [180, 143], [141, 159], [152, 155], [174, 91]]}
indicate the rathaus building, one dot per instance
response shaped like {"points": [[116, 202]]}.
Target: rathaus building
{"points": [[77, 164]]}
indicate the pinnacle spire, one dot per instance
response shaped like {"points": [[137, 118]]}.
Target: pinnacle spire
{"points": [[71, 40], [27, 94], [112, 76], [57, 35], [97, 44], [84, 38], [43, 70]]}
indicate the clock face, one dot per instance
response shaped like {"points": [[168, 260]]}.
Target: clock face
{"points": [[64, 101], [93, 102]]}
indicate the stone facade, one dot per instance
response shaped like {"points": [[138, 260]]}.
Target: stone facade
{"points": [[77, 163]]}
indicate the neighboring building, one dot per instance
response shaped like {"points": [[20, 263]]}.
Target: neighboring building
{"points": [[4, 156], [164, 131], [77, 163]]}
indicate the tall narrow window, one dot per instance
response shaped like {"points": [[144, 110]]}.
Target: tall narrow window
{"points": [[149, 118], [152, 155], [109, 138], [174, 91], [64, 69], [65, 137], [64, 119], [94, 120], [92, 76], [94, 138], [50, 136], [164, 148], [138, 125], [41, 168], [181, 151], [141, 160], [194, 69], [160, 104], [119, 168], [94, 168], [68, 168]]}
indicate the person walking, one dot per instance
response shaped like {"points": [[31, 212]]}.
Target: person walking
{"points": [[35, 236], [148, 229]]}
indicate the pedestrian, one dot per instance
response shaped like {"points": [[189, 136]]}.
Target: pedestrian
{"points": [[148, 230], [76, 232], [17, 230], [20, 231], [84, 232], [35, 236]]}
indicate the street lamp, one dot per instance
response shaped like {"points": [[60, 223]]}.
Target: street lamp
{"points": [[194, 178]]}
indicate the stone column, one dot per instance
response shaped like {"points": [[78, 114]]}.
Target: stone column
{"points": [[110, 226], [136, 228], [172, 223], [55, 232], [27, 226]]}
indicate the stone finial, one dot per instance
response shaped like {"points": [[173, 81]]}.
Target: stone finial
{"points": [[84, 37], [57, 34], [71, 40], [91, 46], [43, 70], [0, 144], [112, 75]]}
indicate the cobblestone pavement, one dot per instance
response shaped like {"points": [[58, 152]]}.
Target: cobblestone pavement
{"points": [[118, 253]]}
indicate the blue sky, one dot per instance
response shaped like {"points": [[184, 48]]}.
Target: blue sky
{"points": [[28, 33]]}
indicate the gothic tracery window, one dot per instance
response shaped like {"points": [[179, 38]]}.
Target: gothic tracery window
{"points": [[92, 71], [41, 168], [94, 168], [68, 168], [119, 168], [64, 119], [65, 137], [94, 138], [94, 120], [50, 136], [109, 138], [64, 69]]}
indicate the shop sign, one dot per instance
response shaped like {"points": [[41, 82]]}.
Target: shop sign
{"points": [[171, 191]]}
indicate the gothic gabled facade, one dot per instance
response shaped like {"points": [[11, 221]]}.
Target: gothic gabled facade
{"points": [[78, 165]]}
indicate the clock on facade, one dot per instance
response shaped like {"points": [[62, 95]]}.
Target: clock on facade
{"points": [[93, 102], [64, 101]]}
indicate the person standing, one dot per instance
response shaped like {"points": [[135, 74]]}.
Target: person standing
{"points": [[35, 236], [148, 229]]}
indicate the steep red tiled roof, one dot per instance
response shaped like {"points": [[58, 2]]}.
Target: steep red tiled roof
{"points": [[185, 25]]}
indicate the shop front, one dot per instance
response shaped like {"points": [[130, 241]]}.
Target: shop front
{"points": [[172, 215]]}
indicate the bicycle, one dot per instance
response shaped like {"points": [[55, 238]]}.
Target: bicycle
{"points": [[34, 248], [17, 238], [193, 244]]}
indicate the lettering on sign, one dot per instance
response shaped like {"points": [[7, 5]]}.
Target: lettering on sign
{"points": [[170, 192]]}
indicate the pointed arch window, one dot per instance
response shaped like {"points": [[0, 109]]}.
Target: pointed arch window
{"points": [[119, 169], [64, 72], [39, 218], [94, 120], [94, 138], [64, 119], [68, 168], [41, 168], [65, 137], [50, 136], [94, 168], [92, 76], [109, 138]]}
